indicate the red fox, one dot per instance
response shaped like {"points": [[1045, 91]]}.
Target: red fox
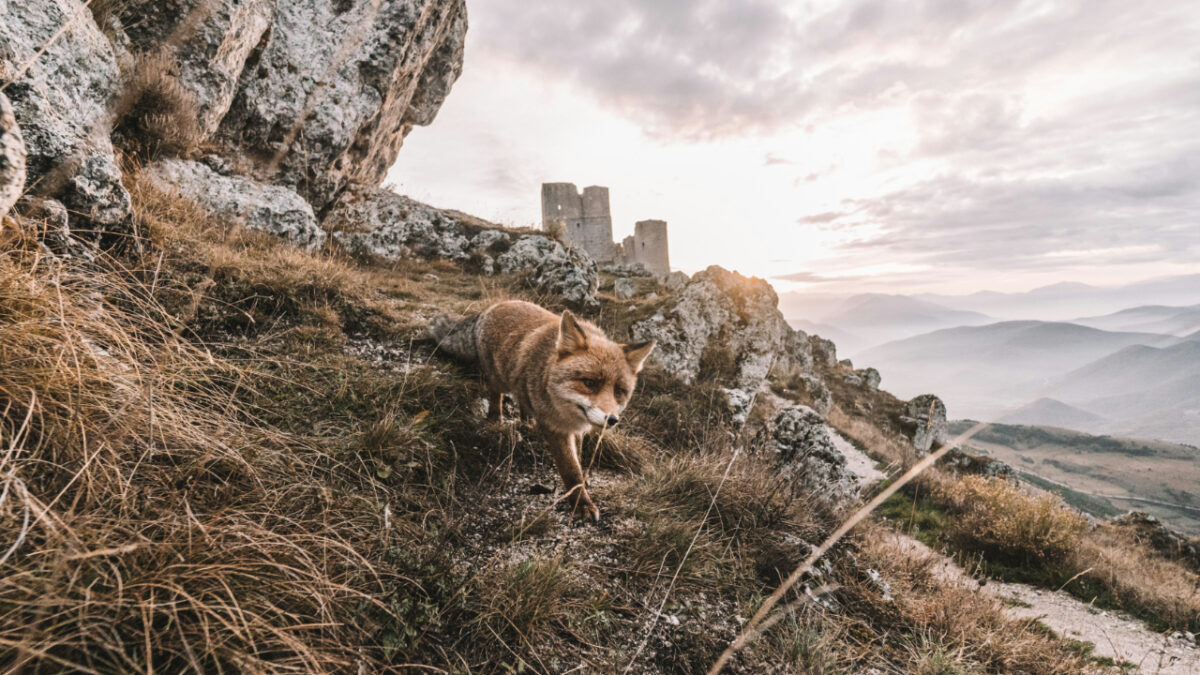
{"points": [[563, 372]]}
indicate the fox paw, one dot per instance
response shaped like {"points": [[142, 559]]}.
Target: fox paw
{"points": [[582, 506]]}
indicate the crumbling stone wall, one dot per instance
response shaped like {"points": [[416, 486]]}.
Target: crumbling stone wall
{"points": [[586, 217]]}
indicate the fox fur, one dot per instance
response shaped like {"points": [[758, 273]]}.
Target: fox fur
{"points": [[563, 372]]}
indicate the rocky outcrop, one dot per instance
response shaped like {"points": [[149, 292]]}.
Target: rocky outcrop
{"points": [[925, 421], [208, 43], [819, 396], [1170, 543], [726, 311], [63, 104], [867, 378], [267, 208], [960, 462], [806, 453], [624, 289], [336, 85], [550, 267], [824, 352], [380, 223], [303, 95], [676, 281], [12, 158]]}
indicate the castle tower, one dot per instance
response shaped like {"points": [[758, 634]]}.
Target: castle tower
{"points": [[587, 217], [650, 246]]}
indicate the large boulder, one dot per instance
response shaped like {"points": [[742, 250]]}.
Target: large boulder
{"points": [[724, 311], [925, 419], [12, 158], [807, 454], [380, 223], [552, 268], [212, 40], [335, 87], [268, 208], [64, 106]]}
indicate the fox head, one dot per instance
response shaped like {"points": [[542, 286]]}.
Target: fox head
{"points": [[593, 376]]}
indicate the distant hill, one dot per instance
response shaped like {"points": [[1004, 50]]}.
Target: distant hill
{"points": [[1148, 319], [874, 318], [982, 371], [1059, 302], [1053, 413], [1142, 390]]}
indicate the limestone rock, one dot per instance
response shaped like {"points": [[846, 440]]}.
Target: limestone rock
{"points": [[378, 222], [824, 352], [740, 402], [676, 281], [269, 208], [553, 268], [213, 38], [962, 462], [624, 288], [725, 310], [870, 378], [926, 420], [806, 452], [626, 269], [335, 86], [485, 246], [818, 394], [12, 158], [63, 106]]}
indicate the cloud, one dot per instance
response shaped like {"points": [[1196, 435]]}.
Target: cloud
{"points": [[1007, 224], [698, 69], [812, 278]]}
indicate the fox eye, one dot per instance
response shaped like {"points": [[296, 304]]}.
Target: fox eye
{"points": [[591, 383], [620, 391]]}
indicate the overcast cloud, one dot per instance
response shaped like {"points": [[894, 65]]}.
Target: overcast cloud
{"points": [[871, 135]]}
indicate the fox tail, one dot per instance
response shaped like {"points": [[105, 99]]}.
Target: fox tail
{"points": [[456, 337]]}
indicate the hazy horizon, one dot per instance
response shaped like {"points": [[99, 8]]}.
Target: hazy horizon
{"points": [[841, 146]]}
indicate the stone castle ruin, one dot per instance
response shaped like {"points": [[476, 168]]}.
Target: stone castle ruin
{"points": [[587, 222]]}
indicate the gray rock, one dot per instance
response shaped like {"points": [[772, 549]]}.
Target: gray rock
{"points": [[552, 268], [925, 418], [269, 208], [725, 309], [63, 106], [48, 219], [676, 281], [818, 393], [380, 223], [624, 288], [12, 158], [486, 245], [824, 352], [853, 380], [870, 377], [807, 454], [337, 86], [212, 45], [626, 269], [740, 402], [846, 363]]}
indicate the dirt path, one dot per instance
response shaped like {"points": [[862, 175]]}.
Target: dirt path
{"points": [[1115, 635]]}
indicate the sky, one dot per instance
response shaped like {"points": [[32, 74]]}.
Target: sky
{"points": [[841, 146]]}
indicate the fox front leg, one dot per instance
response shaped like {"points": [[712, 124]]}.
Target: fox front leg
{"points": [[495, 401], [566, 459]]}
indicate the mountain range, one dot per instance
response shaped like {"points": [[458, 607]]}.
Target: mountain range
{"points": [[1133, 371]]}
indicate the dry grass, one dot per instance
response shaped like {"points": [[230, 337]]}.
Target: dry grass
{"points": [[223, 473], [1004, 523], [162, 117]]}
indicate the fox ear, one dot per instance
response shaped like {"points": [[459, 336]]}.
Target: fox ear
{"points": [[571, 337], [636, 354]]}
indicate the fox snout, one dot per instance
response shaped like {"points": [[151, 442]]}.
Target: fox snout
{"points": [[598, 417]]}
